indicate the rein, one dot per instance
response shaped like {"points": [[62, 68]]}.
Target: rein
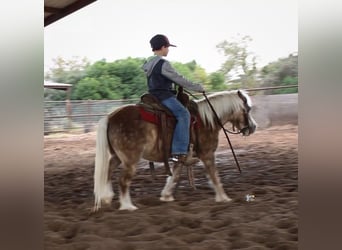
{"points": [[231, 132], [224, 130]]}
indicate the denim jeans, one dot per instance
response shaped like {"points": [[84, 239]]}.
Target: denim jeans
{"points": [[181, 137]]}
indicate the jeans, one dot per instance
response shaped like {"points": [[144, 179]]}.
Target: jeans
{"points": [[181, 137]]}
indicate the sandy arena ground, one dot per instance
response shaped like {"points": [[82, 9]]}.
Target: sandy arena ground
{"points": [[269, 163]]}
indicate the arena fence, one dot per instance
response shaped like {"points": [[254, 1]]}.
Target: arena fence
{"points": [[81, 116]]}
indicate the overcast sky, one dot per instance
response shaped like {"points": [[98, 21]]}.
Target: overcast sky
{"points": [[111, 30]]}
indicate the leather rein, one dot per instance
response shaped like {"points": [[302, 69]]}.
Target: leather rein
{"points": [[226, 130]]}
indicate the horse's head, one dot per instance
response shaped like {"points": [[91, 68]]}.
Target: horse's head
{"points": [[228, 106], [242, 120]]}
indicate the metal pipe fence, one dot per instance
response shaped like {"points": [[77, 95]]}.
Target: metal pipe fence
{"points": [[81, 116], [77, 116]]}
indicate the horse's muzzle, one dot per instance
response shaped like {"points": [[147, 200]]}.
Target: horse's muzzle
{"points": [[245, 131], [248, 130]]}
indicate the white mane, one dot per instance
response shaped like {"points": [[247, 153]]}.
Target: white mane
{"points": [[225, 102]]}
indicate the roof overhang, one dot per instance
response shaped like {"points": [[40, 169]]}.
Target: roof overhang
{"points": [[56, 85], [57, 9]]}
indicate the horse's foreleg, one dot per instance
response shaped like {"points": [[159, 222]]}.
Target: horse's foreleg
{"points": [[124, 182], [171, 181], [153, 172], [214, 180]]}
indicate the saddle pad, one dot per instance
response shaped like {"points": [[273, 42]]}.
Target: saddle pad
{"points": [[154, 118], [150, 116]]}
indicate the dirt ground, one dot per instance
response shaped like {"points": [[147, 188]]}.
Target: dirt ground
{"points": [[269, 164]]}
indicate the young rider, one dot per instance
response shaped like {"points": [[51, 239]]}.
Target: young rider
{"points": [[161, 76]]}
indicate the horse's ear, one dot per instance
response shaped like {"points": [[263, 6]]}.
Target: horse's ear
{"points": [[242, 96]]}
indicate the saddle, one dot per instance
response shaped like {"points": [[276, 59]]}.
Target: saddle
{"points": [[153, 111]]}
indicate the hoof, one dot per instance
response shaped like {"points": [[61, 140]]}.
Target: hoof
{"points": [[107, 201], [167, 198], [129, 208], [94, 209], [223, 199]]}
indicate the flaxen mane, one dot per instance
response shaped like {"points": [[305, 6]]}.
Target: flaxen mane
{"points": [[221, 106]]}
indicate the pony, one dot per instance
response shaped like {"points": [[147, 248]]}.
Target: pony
{"points": [[123, 137]]}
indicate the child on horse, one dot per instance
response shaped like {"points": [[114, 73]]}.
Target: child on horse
{"points": [[160, 78]]}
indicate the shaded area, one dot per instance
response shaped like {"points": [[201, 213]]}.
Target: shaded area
{"points": [[55, 10], [269, 163]]}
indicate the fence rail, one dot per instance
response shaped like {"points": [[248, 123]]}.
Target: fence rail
{"points": [[82, 116], [77, 116]]}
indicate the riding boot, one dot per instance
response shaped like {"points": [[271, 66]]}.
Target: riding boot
{"points": [[184, 159], [188, 159]]}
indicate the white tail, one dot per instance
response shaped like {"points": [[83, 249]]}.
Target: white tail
{"points": [[103, 190]]}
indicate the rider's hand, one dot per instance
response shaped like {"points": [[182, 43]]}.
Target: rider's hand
{"points": [[199, 88]]}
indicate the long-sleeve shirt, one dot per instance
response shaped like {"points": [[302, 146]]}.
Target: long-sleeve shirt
{"points": [[161, 75]]}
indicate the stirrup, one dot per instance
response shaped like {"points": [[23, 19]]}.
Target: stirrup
{"points": [[187, 160], [174, 158]]}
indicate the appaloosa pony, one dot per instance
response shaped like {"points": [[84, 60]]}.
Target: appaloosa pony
{"points": [[123, 137]]}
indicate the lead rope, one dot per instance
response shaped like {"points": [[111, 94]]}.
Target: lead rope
{"points": [[224, 130]]}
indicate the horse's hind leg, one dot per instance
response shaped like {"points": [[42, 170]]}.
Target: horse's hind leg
{"points": [[114, 162], [125, 180], [171, 181], [214, 180]]}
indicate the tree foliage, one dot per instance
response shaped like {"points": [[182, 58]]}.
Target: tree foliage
{"points": [[239, 66], [281, 73], [133, 80], [217, 81], [125, 79], [121, 79], [192, 71], [65, 71], [97, 88]]}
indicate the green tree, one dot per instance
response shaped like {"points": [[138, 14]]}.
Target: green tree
{"points": [[184, 70], [100, 88], [132, 77], [200, 75], [65, 71], [130, 81], [240, 64], [216, 81], [98, 69], [192, 71], [120, 79], [280, 73]]}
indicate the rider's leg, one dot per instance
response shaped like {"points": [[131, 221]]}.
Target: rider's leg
{"points": [[181, 137]]}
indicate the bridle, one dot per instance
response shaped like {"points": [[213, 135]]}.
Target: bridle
{"points": [[245, 114], [246, 110]]}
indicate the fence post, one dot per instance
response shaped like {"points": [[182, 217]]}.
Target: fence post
{"points": [[87, 127], [69, 113]]}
